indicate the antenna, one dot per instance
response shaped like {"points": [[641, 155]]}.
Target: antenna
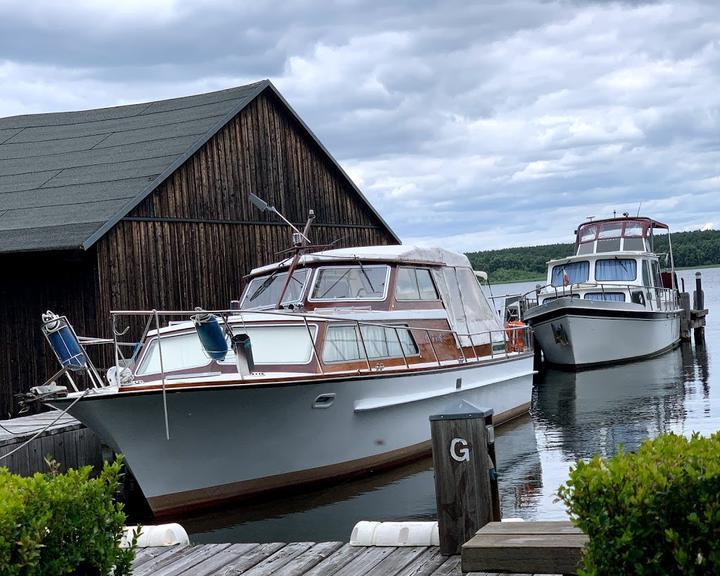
{"points": [[638, 212], [263, 206], [299, 240]]}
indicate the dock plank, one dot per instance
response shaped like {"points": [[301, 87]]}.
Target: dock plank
{"points": [[189, 560], [396, 561], [451, 567], [172, 554], [549, 527], [343, 556], [301, 564], [214, 563], [248, 559], [366, 560], [276, 563], [425, 564]]}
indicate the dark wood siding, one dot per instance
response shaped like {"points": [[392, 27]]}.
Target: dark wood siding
{"points": [[32, 283], [191, 242]]}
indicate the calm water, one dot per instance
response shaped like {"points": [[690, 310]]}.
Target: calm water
{"points": [[573, 415]]}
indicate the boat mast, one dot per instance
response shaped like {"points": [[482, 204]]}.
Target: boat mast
{"points": [[300, 239]]}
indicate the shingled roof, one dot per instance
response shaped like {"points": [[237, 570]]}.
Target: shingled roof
{"points": [[67, 178]]}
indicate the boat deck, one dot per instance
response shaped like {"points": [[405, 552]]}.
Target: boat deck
{"points": [[295, 559]]}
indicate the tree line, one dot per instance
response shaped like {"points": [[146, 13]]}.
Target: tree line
{"points": [[690, 249]]}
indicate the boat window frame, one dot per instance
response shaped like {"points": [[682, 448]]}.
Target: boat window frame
{"points": [[316, 277], [151, 342], [303, 290], [363, 348], [420, 298], [603, 294], [614, 259]]}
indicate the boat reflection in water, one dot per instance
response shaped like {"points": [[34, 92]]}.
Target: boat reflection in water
{"points": [[579, 415]]}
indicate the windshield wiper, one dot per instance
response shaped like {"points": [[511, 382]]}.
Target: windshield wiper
{"points": [[264, 286]]}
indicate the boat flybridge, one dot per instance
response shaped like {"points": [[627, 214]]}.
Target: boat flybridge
{"points": [[609, 302], [329, 365]]}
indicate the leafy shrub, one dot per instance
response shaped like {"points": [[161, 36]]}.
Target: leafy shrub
{"points": [[53, 524], [653, 512]]}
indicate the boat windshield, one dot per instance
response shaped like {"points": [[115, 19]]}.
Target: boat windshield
{"points": [[351, 283], [264, 291], [278, 345]]}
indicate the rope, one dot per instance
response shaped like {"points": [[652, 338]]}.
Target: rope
{"points": [[34, 436]]}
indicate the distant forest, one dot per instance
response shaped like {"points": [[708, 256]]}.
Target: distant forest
{"points": [[690, 249]]}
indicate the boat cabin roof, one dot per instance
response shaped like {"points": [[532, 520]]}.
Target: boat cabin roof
{"points": [[609, 232], [401, 254]]}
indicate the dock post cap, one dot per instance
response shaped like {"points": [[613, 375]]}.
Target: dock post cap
{"points": [[462, 410]]}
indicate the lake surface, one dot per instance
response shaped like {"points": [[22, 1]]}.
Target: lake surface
{"points": [[573, 415]]}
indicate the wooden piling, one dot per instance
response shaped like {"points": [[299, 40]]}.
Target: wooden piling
{"points": [[463, 468]]}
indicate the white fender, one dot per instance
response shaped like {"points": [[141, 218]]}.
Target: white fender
{"points": [[395, 534], [160, 535]]}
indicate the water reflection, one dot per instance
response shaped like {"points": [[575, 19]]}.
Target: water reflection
{"points": [[594, 411]]}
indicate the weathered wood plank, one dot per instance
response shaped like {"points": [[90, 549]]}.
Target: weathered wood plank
{"points": [[276, 562], [367, 560], [250, 558], [337, 561], [299, 565], [451, 566], [397, 561], [189, 560], [425, 564], [167, 556], [548, 527]]}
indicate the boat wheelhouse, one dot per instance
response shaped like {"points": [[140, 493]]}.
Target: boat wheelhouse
{"points": [[328, 365], [610, 301]]}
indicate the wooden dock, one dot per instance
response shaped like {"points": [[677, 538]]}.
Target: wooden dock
{"points": [[296, 559], [65, 440]]}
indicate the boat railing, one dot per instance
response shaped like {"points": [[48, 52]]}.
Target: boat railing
{"points": [[654, 298], [469, 346]]}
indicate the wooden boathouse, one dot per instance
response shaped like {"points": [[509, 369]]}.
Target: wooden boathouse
{"points": [[146, 206]]}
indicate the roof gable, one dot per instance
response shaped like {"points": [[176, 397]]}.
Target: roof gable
{"points": [[67, 178]]}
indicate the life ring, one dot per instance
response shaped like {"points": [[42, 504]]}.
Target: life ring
{"points": [[514, 336]]}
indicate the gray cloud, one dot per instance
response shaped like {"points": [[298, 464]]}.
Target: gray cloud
{"points": [[474, 124]]}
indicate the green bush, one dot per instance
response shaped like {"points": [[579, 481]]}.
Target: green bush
{"points": [[52, 524], [653, 512]]}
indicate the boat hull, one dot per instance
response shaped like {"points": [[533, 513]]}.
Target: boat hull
{"points": [[228, 442], [581, 334]]}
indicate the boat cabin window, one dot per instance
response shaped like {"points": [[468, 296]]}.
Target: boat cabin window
{"points": [[636, 244], [270, 345], [350, 283], [415, 284], [343, 343], [570, 273], [264, 291], [615, 269], [551, 298], [605, 296]]}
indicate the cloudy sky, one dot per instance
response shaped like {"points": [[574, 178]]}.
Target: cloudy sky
{"points": [[475, 124]]}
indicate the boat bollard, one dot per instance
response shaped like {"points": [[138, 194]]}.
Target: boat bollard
{"points": [[465, 477]]}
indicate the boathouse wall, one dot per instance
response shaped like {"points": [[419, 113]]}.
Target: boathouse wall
{"points": [[188, 243], [191, 242]]}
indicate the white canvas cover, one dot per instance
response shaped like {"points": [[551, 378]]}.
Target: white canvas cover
{"points": [[468, 310]]}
